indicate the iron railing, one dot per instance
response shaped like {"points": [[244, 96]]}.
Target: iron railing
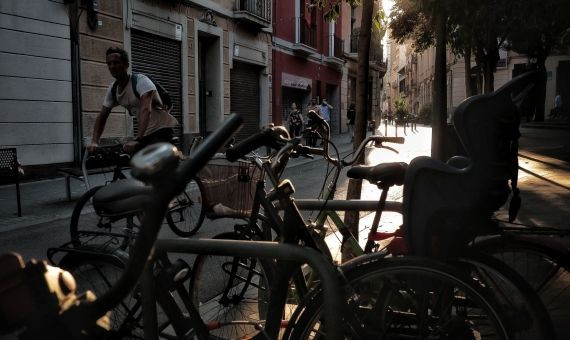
{"points": [[337, 48], [376, 53], [258, 8], [307, 33]]}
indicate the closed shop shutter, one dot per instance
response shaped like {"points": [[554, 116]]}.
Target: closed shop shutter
{"points": [[160, 58], [244, 98]]}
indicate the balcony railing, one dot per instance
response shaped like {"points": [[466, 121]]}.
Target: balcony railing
{"points": [[336, 50], [354, 43], [308, 33], [257, 12], [305, 37], [376, 50]]}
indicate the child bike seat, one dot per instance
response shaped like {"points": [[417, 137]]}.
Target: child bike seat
{"points": [[122, 197], [384, 174], [446, 204]]}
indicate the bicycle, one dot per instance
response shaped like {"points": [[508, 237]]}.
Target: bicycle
{"points": [[220, 267], [508, 284], [452, 299], [120, 205], [550, 269]]}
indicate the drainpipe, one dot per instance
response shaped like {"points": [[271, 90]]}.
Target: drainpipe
{"points": [[75, 81]]}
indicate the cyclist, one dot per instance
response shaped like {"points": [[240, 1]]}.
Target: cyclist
{"points": [[155, 122]]}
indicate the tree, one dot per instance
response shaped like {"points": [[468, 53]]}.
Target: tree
{"points": [[425, 21], [539, 32], [369, 15]]}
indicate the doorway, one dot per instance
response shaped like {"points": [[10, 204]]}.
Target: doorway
{"points": [[210, 113], [160, 58]]}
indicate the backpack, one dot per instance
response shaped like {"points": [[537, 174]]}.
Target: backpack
{"points": [[162, 93]]}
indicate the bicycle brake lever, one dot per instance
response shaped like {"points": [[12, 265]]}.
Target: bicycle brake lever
{"points": [[390, 148]]}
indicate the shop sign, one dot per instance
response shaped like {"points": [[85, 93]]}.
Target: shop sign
{"points": [[290, 80]]}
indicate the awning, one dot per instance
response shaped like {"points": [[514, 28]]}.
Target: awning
{"points": [[296, 82]]}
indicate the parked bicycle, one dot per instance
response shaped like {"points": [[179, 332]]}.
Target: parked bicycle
{"points": [[533, 252], [385, 298], [506, 284], [106, 210]]}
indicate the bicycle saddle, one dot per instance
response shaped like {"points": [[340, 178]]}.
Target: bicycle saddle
{"points": [[122, 197], [384, 174]]}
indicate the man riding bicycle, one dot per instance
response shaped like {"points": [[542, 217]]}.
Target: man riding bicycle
{"points": [[155, 122]]}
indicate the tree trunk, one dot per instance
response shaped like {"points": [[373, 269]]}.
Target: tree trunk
{"points": [[467, 63], [351, 219], [439, 104], [489, 78], [540, 91]]}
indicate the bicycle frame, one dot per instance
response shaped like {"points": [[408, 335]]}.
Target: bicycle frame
{"points": [[285, 255]]}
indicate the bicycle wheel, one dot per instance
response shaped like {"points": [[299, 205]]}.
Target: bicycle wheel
{"points": [[405, 298], [87, 227], [527, 314], [98, 274], [187, 211], [231, 293], [545, 267]]}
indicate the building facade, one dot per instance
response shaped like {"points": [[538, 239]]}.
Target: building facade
{"points": [[377, 64], [307, 60], [411, 76], [213, 57]]}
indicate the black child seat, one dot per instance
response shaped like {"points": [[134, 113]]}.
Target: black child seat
{"points": [[455, 199]]}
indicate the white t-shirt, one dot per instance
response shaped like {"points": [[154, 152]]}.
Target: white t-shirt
{"points": [[159, 117]]}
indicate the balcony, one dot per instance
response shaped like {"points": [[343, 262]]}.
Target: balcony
{"points": [[336, 55], [256, 13], [353, 51], [305, 37], [376, 54], [377, 59]]}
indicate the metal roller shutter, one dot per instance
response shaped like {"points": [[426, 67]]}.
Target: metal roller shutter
{"points": [[244, 98], [160, 58]]}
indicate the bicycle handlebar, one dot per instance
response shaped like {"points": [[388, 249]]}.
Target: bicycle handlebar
{"points": [[378, 140], [274, 137]]}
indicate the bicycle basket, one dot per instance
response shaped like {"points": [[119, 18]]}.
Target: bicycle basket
{"points": [[229, 187]]}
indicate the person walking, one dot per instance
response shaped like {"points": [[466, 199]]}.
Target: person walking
{"points": [[350, 115], [311, 133], [326, 110], [295, 121], [155, 122]]}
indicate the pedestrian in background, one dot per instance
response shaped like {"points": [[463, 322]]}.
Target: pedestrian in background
{"points": [[350, 115], [295, 121], [326, 110]]}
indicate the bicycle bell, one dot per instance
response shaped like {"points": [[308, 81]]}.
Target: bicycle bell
{"points": [[154, 161]]}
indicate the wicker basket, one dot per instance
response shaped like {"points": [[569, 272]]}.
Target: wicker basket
{"points": [[229, 187]]}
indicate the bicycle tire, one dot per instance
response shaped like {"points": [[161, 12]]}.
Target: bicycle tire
{"points": [[98, 273], [220, 299], [393, 282], [78, 210], [528, 314], [84, 230], [187, 211], [545, 268]]}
